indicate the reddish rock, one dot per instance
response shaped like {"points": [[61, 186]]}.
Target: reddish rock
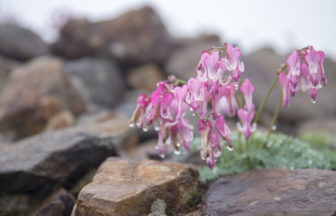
{"points": [[273, 192], [123, 187]]}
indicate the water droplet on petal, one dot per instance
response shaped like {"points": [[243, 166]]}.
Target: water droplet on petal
{"points": [[156, 127], [191, 109], [229, 148], [138, 124], [177, 152], [131, 124], [145, 129], [274, 127], [314, 101], [236, 84], [178, 144], [162, 155]]}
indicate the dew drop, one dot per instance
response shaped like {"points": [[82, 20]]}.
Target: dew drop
{"points": [[236, 84], [178, 144], [131, 124], [229, 148], [193, 114], [177, 152], [314, 101], [145, 129], [191, 109], [156, 127], [274, 127], [138, 124], [162, 155]]}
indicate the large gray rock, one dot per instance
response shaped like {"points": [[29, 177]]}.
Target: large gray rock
{"points": [[100, 78], [272, 192], [137, 36], [20, 43], [34, 94]]}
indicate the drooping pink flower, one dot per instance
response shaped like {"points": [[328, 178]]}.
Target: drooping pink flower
{"points": [[178, 103], [205, 128], [284, 83], [153, 108], [211, 66], [223, 130], [245, 126], [247, 90], [229, 92], [232, 61], [293, 62], [138, 116], [196, 92]]}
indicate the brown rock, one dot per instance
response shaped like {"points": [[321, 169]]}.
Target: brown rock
{"points": [[6, 66], [123, 187], [138, 36], [35, 93], [59, 203], [145, 77], [273, 191], [61, 120]]}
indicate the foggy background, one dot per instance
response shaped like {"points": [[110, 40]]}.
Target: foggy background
{"points": [[283, 25]]}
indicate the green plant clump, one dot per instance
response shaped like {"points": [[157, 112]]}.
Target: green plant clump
{"points": [[280, 151]]}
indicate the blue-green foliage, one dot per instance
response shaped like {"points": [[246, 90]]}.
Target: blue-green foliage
{"points": [[280, 151]]}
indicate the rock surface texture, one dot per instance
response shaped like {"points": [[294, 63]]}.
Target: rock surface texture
{"points": [[123, 187], [274, 192]]}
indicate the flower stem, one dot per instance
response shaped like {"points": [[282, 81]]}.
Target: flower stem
{"points": [[179, 81], [265, 99], [276, 115], [275, 118]]}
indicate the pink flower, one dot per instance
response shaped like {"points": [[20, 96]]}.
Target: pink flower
{"points": [[229, 91], [138, 116], [293, 63], [232, 61], [285, 91], [211, 146], [153, 108], [196, 92], [223, 130], [246, 118], [247, 90], [211, 66], [315, 61], [178, 103]]}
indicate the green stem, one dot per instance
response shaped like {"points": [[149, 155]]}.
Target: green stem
{"points": [[240, 142], [275, 118], [276, 115], [265, 99], [181, 81]]}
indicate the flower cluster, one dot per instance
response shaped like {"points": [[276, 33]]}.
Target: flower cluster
{"points": [[210, 95], [305, 72]]}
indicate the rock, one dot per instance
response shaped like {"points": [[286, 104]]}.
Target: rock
{"points": [[145, 77], [6, 66], [123, 187], [51, 158], [184, 60], [20, 43], [136, 37], [58, 204], [34, 94], [101, 78], [61, 120], [273, 191]]}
